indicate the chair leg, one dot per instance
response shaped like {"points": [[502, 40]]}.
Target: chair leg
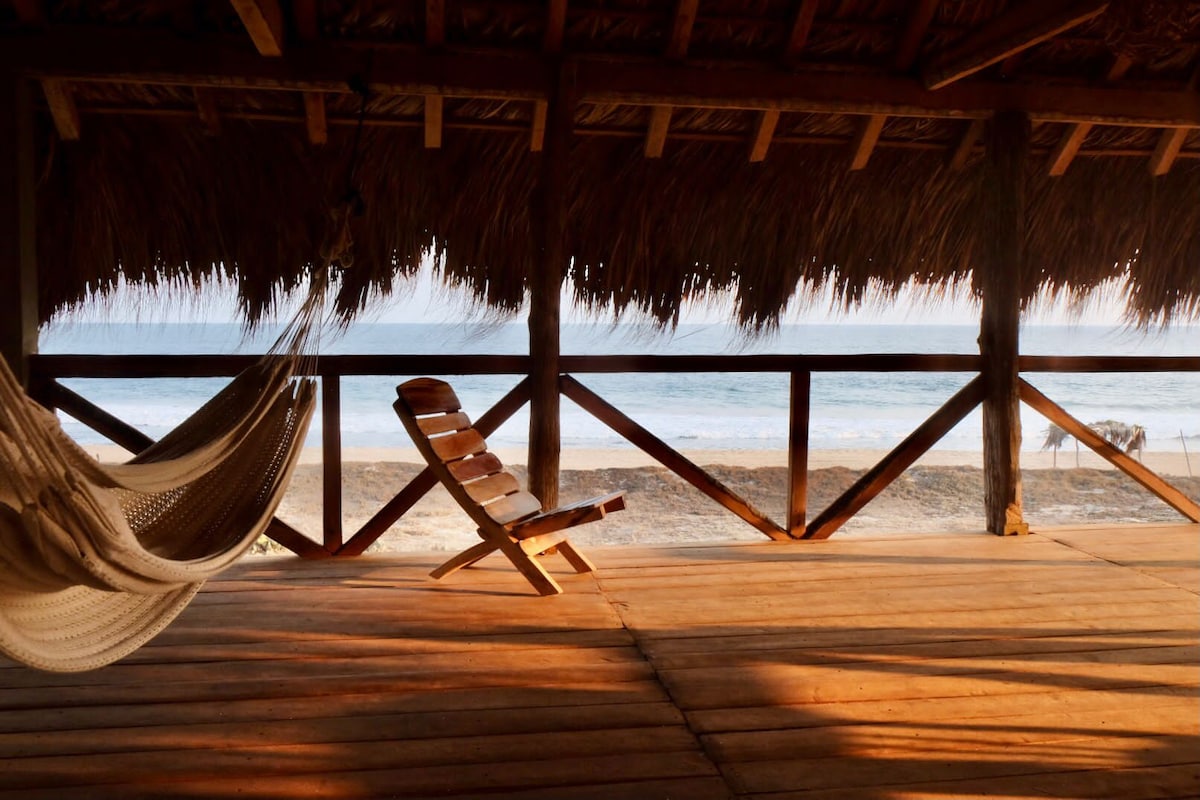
{"points": [[465, 559], [528, 566], [575, 558]]}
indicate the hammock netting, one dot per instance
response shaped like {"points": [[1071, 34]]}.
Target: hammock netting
{"points": [[95, 559]]}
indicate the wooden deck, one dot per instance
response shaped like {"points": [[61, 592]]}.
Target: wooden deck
{"points": [[1062, 664]]}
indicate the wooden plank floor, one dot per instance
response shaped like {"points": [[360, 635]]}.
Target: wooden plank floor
{"points": [[1063, 664]]}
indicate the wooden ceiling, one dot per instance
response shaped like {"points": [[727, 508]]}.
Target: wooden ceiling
{"points": [[848, 73]]}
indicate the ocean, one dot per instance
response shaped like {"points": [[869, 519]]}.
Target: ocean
{"points": [[688, 411]]}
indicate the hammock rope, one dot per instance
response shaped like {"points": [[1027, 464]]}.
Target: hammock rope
{"points": [[97, 559]]}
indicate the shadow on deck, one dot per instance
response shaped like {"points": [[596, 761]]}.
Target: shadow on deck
{"points": [[1062, 664]]}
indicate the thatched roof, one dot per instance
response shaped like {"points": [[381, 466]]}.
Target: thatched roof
{"points": [[763, 147]]}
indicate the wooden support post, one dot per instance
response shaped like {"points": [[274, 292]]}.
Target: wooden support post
{"points": [[798, 454], [545, 287], [331, 461], [1000, 279], [18, 264]]}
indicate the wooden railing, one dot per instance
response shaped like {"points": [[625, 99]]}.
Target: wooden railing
{"points": [[47, 370]]}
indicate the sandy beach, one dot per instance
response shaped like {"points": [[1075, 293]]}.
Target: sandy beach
{"points": [[942, 492]]}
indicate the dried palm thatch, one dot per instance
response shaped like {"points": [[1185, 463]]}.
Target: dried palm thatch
{"points": [[159, 202]]}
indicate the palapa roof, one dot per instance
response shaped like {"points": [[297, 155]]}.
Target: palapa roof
{"points": [[771, 148]]}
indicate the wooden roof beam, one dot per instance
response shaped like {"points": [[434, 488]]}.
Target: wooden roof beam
{"points": [[314, 118], [434, 106], [435, 38], [134, 57], [802, 24], [556, 26], [435, 23], [1028, 24], [1167, 150], [763, 133], [966, 145], [919, 20], [63, 110], [30, 12], [308, 29], [682, 24], [263, 20], [1170, 142], [537, 138], [304, 18], [206, 108], [1073, 138], [656, 132], [552, 42], [865, 140]]}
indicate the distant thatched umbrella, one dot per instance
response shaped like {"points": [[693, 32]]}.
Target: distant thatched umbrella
{"points": [[1055, 437], [1122, 435]]}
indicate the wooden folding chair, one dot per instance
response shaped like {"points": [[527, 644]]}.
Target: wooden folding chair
{"points": [[510, 519]]}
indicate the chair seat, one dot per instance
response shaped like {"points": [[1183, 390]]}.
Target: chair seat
{"points": [[510, 519]]}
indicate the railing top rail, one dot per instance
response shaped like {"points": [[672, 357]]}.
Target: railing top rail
{"points": [[202, 366]]}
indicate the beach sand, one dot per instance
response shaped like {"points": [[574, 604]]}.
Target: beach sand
{"points": [[942, 492]]}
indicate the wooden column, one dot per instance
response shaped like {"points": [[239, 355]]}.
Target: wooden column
{"points": [[549, 207], [18, 265], [331, 461], [1001, 268], [797, 511]]}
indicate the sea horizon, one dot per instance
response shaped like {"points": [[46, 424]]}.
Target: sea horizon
{"points": [[689, 411]]}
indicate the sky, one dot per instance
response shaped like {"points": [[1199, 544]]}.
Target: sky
{"points": [[424, 300]]}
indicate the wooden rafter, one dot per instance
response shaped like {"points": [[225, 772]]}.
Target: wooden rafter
{"points": [[1068, 147], [556, 26], [802, 24], [1075, 134], [537, 137], [30, 12], [435, 23], [1170, 142], [323, 66], [966, 145], [435, 37], [656, 132], [1027, 24], [1167, 150], [62, 109], [263, 20], [919, 19], [682, 23], [433, 120], [865, 140], [681, 28], [304, 18], [314, 117], [552, 42], [206, 108], [763, 133]]}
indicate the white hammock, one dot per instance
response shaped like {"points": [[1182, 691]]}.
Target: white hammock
{"points": [[95, 560]]}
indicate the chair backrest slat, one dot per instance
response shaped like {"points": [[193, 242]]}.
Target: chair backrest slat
{"points": [[428, 396], [458, 455], [454, 446], [468, 469], [492, 487], [444, 423]]}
